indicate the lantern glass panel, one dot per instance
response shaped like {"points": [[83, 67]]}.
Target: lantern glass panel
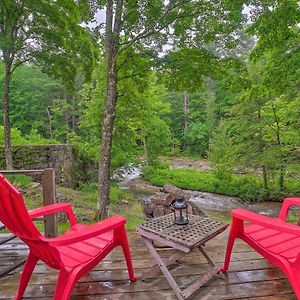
{"points": [[180, 211]]}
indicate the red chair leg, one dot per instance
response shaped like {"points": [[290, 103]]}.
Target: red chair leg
{"points": [[64, 285], [228, 252], [26, 273], [235, 226], [126, 251], [294, 279]]}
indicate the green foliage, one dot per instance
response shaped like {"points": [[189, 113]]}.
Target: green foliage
{"points": [[243, 103], [223, 152], [49, 32], [261, 132], [138, 117], [31, 139], [22, 181], [247, 187]]}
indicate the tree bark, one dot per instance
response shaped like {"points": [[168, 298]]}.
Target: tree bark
{"points": [[210, 107], [261, 148], [106, 141], [278, 140], [50, 122], [265, 177], [74, 121], [145, 150], [185, 117], [6, 119], [112, 35], [186, 108]]}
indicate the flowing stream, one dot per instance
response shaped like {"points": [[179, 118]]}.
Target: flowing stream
{"points": [[215, 205]]}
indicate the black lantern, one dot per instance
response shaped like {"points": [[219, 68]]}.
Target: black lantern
{"points": [[180, 211]]}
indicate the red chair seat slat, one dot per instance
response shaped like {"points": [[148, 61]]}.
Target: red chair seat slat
{"points": [[284, 244], [83, 252]]}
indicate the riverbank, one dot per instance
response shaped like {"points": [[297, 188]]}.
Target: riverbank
{"points": [[197, 175]]}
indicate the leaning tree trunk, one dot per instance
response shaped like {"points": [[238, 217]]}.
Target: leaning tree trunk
{"points": [[6, 120]]}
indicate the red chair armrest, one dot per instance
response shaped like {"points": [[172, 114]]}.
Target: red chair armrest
{"points": [[54, 208], [287, 203], [89, 231], [272, 223]]}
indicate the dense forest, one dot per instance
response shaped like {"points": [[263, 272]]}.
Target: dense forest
{"points": [[163, 78]]}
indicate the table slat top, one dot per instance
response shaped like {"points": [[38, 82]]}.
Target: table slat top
{"points": [[198, 229]]}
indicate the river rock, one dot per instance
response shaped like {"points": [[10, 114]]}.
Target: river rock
{"points": [[161, 202], [168, 210], [158, 211], [197, 210], [161, 198], [171, 189], [149, 207]]}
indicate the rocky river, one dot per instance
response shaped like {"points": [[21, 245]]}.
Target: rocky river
{"points": [[215, 205]]}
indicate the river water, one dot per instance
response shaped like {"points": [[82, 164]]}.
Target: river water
{"points": [[215, 205]]}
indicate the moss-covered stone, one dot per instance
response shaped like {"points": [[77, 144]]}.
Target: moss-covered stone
{"points": [[32, 157]]}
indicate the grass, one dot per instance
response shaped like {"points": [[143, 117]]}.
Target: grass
{"points": [[84, 202], [247, 187], [20, 180]]}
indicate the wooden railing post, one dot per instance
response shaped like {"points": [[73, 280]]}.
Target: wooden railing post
{"points": [[49, 196]]}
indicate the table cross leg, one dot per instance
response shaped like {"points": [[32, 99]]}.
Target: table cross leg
{"points": [[168, 261], [164, 269], [209, 260], [206, 256]]}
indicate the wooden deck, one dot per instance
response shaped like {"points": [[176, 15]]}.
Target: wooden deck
{"points": [[250, 276]]}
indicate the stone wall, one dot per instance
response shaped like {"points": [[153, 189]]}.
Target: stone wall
{"points": [[32, 157]]}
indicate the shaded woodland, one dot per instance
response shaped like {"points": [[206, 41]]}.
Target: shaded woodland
{"points": [[218, 81]]}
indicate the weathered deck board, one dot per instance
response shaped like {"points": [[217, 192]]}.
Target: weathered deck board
{"points": [[250, 276]]}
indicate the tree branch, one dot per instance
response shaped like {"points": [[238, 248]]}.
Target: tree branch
{"points": [[151, 29]]}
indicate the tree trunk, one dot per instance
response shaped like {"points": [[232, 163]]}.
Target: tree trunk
{"points": [[186, 106], [173, 143], [185, 118], [74, 121], [281, 179], [265, 177], [106, 142], [210, 107], [112, 35], [278, 140], [50, 122], [145, 149], [261, 148], [6, 119]]}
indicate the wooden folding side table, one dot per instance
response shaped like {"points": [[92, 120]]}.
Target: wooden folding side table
{"points": [[184, 238]]}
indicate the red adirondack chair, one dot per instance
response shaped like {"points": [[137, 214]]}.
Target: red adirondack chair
{"points": [[74, 253], [275, 239]]}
